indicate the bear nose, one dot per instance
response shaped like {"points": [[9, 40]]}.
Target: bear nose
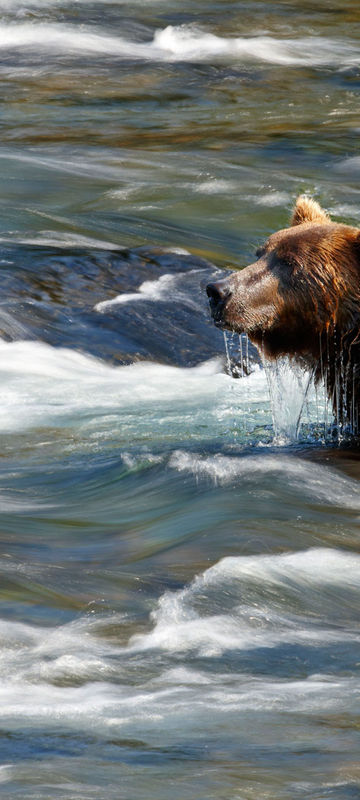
{"points": [[218, 292]]}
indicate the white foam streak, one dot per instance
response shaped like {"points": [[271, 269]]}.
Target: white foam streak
{"points": [[209, 617], [179, 43], [310, 479], [69, 40], [187, 43], [43, 385], [180, 627], [158, 290], [43, 654], [315, 567], [103, 708], [59, 239]]}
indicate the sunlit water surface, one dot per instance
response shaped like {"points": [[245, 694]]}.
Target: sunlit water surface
{"points": [[180, 567]]}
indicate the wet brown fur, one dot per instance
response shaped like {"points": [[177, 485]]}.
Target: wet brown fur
{"points": [[302, 298]]}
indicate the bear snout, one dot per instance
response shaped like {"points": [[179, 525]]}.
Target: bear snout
{"points": [[218, 293]]}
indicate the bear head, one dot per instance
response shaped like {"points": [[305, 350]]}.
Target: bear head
{"points": [[304, 283]]}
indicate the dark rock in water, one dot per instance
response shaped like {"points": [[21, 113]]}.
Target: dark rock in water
{"points": [[51, 294]]}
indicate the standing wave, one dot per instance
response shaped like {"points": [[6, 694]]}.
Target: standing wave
{"points": [[180, 43], [251, 602]]}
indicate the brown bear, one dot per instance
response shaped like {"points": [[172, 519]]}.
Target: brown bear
{"points": [[301, 298]]}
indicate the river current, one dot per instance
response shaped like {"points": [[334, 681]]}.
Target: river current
{"points": [[180, 574]]}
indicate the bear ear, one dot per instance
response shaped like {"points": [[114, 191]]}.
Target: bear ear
{"points": [[308, 210]]}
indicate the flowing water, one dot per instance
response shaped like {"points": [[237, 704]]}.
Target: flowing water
{"points": [[179, 590]]}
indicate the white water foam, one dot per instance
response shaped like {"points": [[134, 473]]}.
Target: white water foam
{"points": [[180, 43], [257, 601], [43, 385], [306, 599], [103, 708], [216, 186], [273, 199], [159, 290], [59, 239], [319, 483]]}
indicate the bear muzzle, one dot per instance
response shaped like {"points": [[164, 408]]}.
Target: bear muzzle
{"points": [[218, 294]]}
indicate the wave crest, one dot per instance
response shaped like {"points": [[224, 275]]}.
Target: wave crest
{"points": [[179, 43]]}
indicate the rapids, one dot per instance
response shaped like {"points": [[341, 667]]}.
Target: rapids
{"points": [[179, 547]]}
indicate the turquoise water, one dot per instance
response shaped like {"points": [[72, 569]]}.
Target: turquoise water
{"points": [[180, 576]]}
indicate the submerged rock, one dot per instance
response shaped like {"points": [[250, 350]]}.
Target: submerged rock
{"points": [[122, 306]]}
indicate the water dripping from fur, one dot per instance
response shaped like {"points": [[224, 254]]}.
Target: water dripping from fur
{"points": [[301, 405], [288, 386], [237, 354], [337, 376], [237, 366]]}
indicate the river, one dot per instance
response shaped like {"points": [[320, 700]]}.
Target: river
{"points": [[180, 574]]}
